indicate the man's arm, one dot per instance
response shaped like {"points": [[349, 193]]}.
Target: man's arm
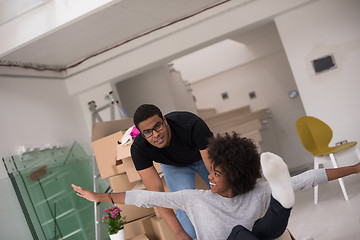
{"points": [[152, 182], [336, 173], [205, 157]]}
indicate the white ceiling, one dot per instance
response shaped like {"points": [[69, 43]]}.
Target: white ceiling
{"points": [[10, 9], [104, 29]]}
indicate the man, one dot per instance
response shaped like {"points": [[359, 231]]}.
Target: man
{"points": [[178, 141]]}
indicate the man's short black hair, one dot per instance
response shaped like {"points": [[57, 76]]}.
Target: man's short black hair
{"points": [[144, 112], [238, 158]]}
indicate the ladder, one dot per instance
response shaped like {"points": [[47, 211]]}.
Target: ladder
{"points": [[95, 117]]}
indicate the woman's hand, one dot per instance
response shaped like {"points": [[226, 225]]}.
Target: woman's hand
{"points": [[335, 173], [357, 167], [81, 192]]}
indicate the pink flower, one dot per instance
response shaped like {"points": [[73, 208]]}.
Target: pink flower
{"points": [[113, 219]]}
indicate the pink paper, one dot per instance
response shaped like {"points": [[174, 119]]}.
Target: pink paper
{"points": [[134, 132]]}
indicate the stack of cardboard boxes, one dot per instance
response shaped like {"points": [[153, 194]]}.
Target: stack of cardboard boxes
{"points": [[115, 164]]}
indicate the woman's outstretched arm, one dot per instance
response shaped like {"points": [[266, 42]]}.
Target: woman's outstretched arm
{"points": [[99, 197], [335, 173]]}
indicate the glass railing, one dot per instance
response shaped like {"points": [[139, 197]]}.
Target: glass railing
{"points": [[42, 181]]}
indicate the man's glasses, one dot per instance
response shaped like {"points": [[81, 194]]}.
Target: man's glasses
{"points": [[149, 132]]}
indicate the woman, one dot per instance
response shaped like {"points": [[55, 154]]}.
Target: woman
{"points": [[236, 200]]}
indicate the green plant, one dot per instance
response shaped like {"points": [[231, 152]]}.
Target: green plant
{"points": [[113, 219]]}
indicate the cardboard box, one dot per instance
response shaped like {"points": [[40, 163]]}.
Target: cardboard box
{"points": [[131, 172], [105, 154], [120, 166], [157, 167], [120, 183], [132, 212], [161, 229], [123, 151], [105, 137], [139, 227], [125, 163], [139, 237], [157, 213], [200, 183]]}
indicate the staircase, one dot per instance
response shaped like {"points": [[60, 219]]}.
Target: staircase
{"points": [[241, 120]]}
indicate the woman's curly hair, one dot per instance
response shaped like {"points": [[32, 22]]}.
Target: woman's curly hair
{"points": [[238, 159]]}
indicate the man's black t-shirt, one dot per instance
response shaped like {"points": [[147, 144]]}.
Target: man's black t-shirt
{"points": [[189, 134]]}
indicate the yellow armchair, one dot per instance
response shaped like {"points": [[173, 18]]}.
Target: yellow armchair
{"points": [[315, 135]]}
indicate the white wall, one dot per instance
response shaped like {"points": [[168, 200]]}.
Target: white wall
{"points": [[261, 67], [313, 31], [12, 218], [34, 113], [181, 92], [148, 87], [229, 53], [227, 50], [157, 86], [38, 112], [270, 78]]}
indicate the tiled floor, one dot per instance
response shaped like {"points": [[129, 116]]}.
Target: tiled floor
{"points": [[332, 218]]}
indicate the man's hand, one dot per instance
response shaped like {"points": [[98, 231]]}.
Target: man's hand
{"points": [[182, 235], [81, 192]]}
